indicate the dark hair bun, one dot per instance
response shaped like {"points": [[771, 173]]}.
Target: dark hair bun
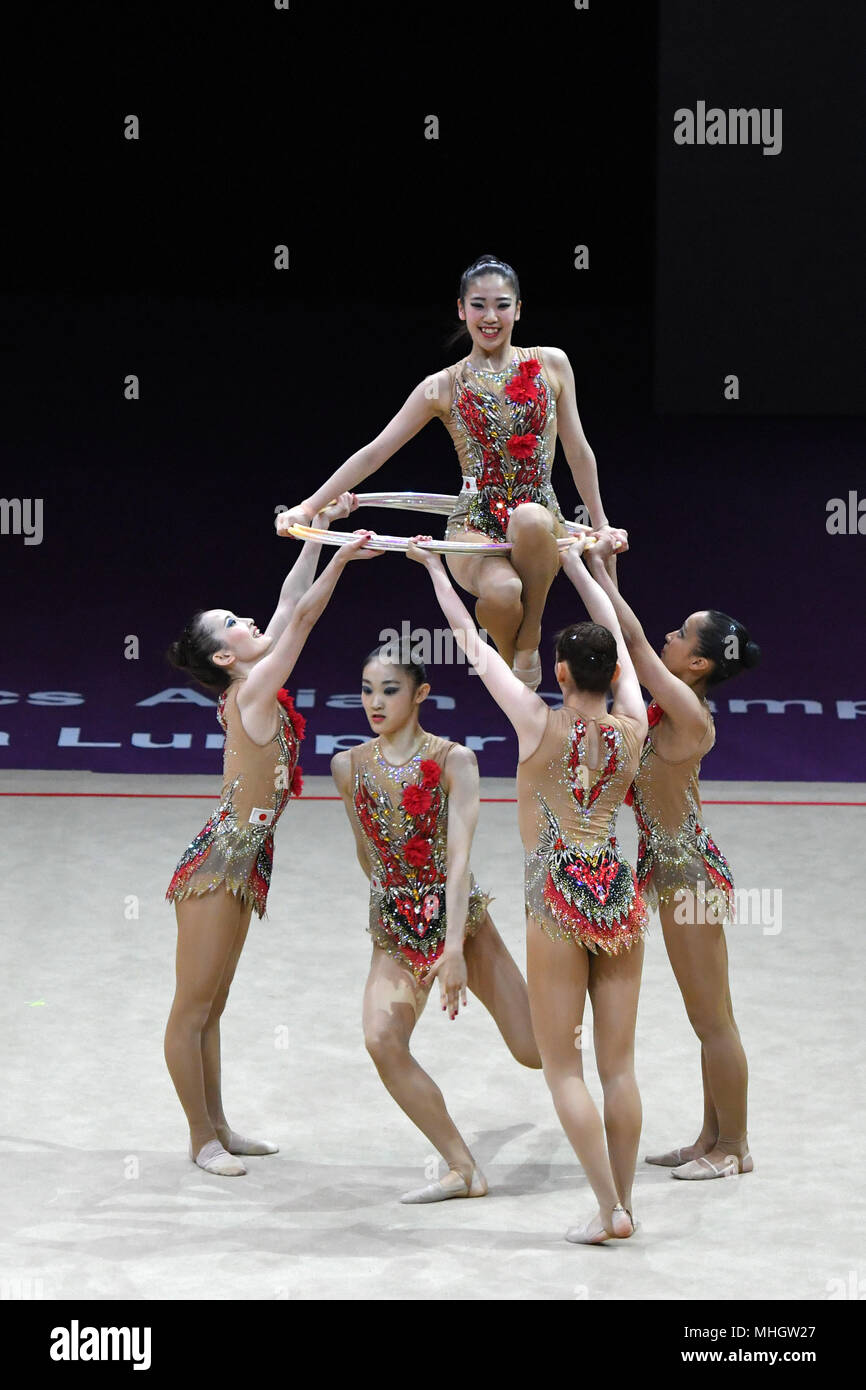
{"points": [[192, 653], [751, 654], [718, 631], [589, 650]]}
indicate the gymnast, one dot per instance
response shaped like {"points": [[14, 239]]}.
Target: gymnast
{"points": [[680, 868], [224, 875], [503, 406], [412, 801], [585, 916]]}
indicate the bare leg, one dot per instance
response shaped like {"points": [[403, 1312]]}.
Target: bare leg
{"points": [[207, 931], [495, 979], [393, 1003], [710, 1128], [558, 974], [614, 985], [210, 1036], [499, 610], [497, 587], [708, 1137], [210, 1055], [699, 956], [535, 557]]}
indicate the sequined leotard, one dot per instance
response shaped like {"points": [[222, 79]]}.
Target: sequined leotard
{"points": [[503, 425], [403, 816], [236, 846], [577, 886], [675, 849]]}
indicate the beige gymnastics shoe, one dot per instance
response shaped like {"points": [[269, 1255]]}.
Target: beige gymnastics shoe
{"points": [[701, 1168], [452, 1185], [213, 1158], [596, 1233]]}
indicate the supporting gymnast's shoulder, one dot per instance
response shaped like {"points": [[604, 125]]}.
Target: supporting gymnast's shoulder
{"points": [[341, 769], [458, 759]]}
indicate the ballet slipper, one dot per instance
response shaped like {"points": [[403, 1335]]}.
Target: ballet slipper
{"points": [[594, 1233], [237, 1144], [213, 1158], [700, 1169], [442, 1190], [673, 1159], [530, 675]]}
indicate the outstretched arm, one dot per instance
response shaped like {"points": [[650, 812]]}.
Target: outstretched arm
{"points": [[303, 571], [429, 398], [526, 711], [269, 674], [678, 700], [627, 698]]}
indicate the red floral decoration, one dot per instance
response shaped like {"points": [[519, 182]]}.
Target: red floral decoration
{"points": [[430, 773], [521, 389], [531, 367], [416, 800], [297, 783], [297, 721], [417, 851], [522, 446]]}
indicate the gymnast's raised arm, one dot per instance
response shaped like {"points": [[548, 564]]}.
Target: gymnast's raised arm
{"points": [[260, 687], [679, 702], [627, 699], [303, 571], [526, 711]]}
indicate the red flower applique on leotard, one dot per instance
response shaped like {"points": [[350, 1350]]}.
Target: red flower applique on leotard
{"points": [[431, 772], [416, 800], [417, 851], [653, 714]]}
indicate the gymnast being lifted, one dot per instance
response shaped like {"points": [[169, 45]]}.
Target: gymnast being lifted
{"points": [[503, 407]]}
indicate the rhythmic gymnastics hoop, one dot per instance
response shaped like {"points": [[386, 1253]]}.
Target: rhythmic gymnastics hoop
{"points": [[442, 503], [402, 543]]}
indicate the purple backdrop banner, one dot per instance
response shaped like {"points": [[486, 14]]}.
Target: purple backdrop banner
{"points": [[751, 528]]}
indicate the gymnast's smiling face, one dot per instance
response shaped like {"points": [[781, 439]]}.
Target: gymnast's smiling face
{"points": [[241, 642], [390, 696], [490, 311], [680, 653]]}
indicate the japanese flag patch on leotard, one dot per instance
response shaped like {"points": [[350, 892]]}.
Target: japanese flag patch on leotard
{"points": [[259, 815]]}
